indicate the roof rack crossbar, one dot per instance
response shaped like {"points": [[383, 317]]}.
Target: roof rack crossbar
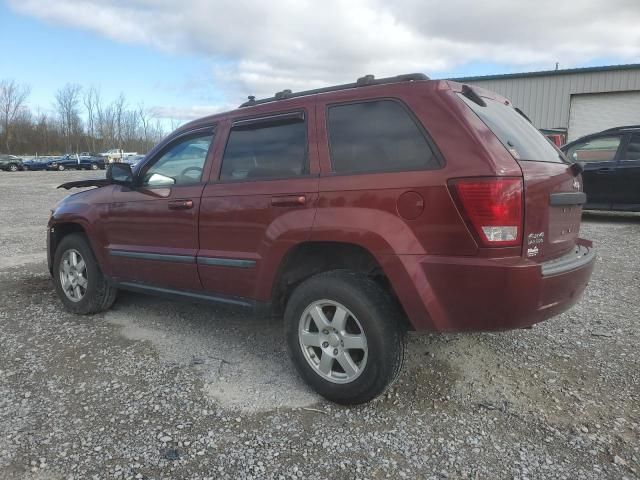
{"points": [[365, 81]]}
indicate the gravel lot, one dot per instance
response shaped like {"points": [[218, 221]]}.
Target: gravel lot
{"points": [[159, 389]]}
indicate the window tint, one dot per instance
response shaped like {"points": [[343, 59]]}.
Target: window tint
{"points": [[182, 164], [633, 149], [376, 136], [266, 150], [515, 132], [602, 149]]}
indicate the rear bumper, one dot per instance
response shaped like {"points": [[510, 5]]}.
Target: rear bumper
{"points": [[481, 294]]}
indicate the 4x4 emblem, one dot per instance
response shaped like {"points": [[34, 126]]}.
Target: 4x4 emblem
{"points": [[576, 184]]}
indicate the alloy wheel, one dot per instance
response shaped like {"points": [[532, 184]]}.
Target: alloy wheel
{"points": [[73, 275], [333, 341]]}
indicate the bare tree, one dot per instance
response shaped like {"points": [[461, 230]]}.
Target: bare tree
{"points": [[145, 121], [12, 98], [67, 103], [91, 101], [119, 105]]}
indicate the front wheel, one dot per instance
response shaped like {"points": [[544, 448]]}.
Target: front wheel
{"points": [[345, 336], [94, 166], [13, 167], [60, 168], [78, 280]]}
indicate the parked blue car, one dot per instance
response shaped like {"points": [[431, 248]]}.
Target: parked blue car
{"points": [[35, 164]]}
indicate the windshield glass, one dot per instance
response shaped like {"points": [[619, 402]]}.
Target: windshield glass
{"points": [[517, 134]]}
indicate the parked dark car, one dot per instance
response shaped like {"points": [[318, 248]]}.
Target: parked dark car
{"points": [[611, 163], [35, 164], [69, 161], [354, 210], [92, 163], [10, 163]]}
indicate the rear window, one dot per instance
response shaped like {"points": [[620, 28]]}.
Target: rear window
{"points": [[517, 134], [377, 136]]}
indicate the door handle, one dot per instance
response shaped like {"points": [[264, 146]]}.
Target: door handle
{"points": [[289, 201], [605, 170], [183, 204]]}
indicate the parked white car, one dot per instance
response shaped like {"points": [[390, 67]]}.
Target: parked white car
{"points": [[116, 154]]}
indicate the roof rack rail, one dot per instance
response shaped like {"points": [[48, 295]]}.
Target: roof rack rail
{"points": [[623, 127], [365, 81]]}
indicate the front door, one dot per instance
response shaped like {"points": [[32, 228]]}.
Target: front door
{"points": [[598, 155], [627, 176], [260, 204], [152, 229]]}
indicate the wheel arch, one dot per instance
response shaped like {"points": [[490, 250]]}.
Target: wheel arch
{"points": [[59, 230], [310, 258]]}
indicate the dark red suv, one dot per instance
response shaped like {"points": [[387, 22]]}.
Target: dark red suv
{"points": [[357, 211]]}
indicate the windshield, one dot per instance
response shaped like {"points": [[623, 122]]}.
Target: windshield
{"points": [[517, 134]]}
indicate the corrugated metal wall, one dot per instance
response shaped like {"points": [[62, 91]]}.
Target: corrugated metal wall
{"points": [[546, 99]]}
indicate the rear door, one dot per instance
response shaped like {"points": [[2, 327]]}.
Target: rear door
{"points": [[597, 155], [553, 195], [626, 177], [260, 201]]}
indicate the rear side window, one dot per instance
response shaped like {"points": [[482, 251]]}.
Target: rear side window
{"points": [[602, 149], [633, 149], [517, 134], [377, 136], [266, 149]]}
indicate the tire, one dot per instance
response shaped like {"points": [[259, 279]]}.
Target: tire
{"points": [[13, 167], [60, 168], [370, 312], [98, 294], [94, 166]]}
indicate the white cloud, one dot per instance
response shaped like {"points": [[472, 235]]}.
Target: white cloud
{"points": [[261, 47]]}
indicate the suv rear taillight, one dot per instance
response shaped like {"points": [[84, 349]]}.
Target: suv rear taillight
{"points": [[492, 207]]}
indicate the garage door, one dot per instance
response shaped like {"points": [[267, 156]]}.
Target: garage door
{"points": [[593, 112]]}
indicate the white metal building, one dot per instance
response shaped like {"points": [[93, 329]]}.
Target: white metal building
{"points": [[579, 101]]}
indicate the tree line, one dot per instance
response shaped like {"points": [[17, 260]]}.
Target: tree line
{"points": [[79, 121]]}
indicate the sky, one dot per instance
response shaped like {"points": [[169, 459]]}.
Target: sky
{"points": [[186, 59]]}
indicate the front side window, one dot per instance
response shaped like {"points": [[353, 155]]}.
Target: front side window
{"points": [[602, 149], [181, 164], [633, 149], [275, 148], [377, 136]]}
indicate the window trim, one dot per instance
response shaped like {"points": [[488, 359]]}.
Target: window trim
{"points": [[268, 120], [434, 148], [200, 131]]}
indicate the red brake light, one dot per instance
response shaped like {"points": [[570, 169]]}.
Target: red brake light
{"points": [[493, 207]]}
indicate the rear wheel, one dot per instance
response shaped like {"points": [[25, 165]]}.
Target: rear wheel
{"points": [[345, 336], [94, 166], [60, 168], [79, 282]]}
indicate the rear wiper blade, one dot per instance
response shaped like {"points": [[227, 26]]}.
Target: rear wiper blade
{"points": [[524, 115], [98, 182]]}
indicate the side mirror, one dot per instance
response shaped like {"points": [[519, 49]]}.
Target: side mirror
{"points": [[158, 180], [120, 174]]}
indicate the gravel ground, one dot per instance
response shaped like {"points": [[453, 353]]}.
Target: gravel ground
{"points": [[159, 389]]}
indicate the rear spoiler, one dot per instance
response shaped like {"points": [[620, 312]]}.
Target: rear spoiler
{"points": [[98, 182]]}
